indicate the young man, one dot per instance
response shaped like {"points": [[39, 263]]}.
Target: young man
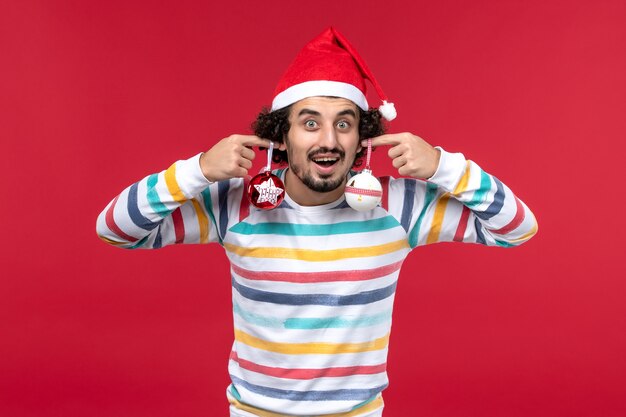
{"points": [[314, 279]]}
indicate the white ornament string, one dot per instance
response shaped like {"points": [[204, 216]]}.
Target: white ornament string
{"points": [[369, 153], [270, 151]]}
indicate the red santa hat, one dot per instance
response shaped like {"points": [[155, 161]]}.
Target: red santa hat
{"points": [[329, 66]]}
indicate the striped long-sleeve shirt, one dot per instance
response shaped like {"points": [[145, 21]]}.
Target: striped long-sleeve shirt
{"points": [[313, 287]]}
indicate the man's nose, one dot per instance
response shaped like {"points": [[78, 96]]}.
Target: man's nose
{"points": [[329, 137]]}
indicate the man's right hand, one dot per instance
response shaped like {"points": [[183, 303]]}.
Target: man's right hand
{"points": [[232, 157]]}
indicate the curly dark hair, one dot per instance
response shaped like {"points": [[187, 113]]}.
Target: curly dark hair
{"points": [[274, 125]]}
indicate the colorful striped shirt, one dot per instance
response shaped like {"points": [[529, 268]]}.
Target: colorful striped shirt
{"points": [[313, 287]]}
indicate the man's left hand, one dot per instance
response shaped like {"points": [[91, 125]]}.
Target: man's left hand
{"points": [[412, 156]]}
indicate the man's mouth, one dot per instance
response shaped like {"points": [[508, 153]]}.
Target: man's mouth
{"points": [[325, 158], [325, 161]]}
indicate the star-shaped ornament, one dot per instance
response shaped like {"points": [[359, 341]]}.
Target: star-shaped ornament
{"points": [[266, 191]]}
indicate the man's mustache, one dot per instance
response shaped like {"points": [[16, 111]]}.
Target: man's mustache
{"points": [[322, 151]]}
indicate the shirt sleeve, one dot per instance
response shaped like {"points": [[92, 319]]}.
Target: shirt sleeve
{"points": [[460, 203], [177, 205]]}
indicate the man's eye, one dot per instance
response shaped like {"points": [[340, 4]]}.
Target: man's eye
{"points": [[343, 125], [310, 123]]}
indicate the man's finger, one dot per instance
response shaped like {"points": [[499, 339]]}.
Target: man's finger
{"points": [[247, 153], [396, 151], [398, 162], [389, 139], [263, 143], [245, 163], [240, 172], [251, 140]]}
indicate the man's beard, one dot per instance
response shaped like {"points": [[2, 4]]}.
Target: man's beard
{"points": [[322, 184]]}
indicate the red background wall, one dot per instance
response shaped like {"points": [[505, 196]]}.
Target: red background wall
{"points": [[95, 95]]}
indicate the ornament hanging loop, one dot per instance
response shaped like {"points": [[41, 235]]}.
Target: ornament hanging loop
{"points": [[369, 154], [270, 151]]}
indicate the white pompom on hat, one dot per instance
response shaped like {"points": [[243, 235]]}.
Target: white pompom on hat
{"points": [[329, 66]]}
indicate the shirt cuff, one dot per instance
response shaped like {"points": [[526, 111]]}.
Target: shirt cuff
{"points": [[450, 170], [189, 176]]}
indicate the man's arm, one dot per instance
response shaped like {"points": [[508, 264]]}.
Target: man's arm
{"points": [[180, 204], [459, 202]]}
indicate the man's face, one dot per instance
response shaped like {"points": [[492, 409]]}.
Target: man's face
{"points": [[322, 142]]}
